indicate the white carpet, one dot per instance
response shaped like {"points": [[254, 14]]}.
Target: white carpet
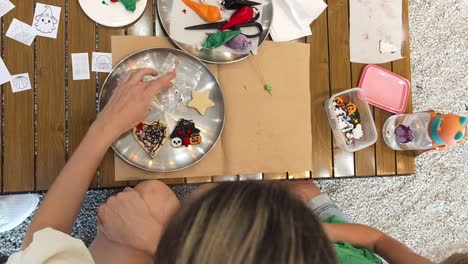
{"points": [[427, 211]]}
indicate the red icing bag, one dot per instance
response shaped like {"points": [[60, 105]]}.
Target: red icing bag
{"points": [[240, 17]]}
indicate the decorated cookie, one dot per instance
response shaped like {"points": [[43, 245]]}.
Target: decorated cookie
{"points": [[185, 134], [150, 136], [209, 13], [201, 101]]}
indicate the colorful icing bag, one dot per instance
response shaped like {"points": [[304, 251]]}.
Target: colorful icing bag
{"points": [[218, 39], [236, 4], [241, 16], [240, 42], [207, 12]]}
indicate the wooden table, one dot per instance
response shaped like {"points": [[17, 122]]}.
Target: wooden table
{"points": [[38, 141]]}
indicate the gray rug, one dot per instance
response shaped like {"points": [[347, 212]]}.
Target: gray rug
{"points": [[427, 211]]}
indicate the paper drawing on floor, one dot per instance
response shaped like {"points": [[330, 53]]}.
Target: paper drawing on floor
{"points": [[5, 7], [101, 62], [80, 66], [46, 20], [20, 82], [21, 32]]}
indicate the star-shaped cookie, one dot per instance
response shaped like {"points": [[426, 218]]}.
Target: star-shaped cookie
{"points": [[200, 101]]}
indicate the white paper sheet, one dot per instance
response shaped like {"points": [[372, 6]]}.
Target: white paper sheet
{"points": [[5, 75], [20, 82], [21, 32], [180, 20], [46, 20], [101, 62], [292, 18], [5, 7], [375, 25], [80, 66]]}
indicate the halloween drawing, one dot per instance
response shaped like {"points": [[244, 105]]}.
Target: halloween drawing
{"points": [[102, 62], [46, 22], [20, 82]]}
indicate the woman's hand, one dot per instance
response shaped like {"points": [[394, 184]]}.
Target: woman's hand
{"points": [[131, 101], [126, 219]]}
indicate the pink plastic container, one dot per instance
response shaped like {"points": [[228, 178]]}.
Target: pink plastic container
{"points": [[385, 89]]}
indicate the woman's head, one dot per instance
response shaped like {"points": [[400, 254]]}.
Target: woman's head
{"points": [[245, 222]]}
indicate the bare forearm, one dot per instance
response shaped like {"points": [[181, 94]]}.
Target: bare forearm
{"points": [[394, 252], [65, 197], [360, 236]]}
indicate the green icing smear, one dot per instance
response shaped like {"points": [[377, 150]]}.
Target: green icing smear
{"points": [[130, 5], [218, 39], [104, 3]]}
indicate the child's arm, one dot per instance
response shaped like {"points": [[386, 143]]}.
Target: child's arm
{"points": [[362, 236], [128, 104]]}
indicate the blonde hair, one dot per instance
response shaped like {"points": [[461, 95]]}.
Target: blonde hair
{"points": [[457, 258], [245, 222]]}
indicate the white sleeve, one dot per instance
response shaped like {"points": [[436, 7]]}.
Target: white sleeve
{"points": [[50, 246]]}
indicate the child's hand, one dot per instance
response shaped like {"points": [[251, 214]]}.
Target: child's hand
{"points": [[131, 101]]}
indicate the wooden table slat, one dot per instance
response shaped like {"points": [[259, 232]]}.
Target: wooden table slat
{"points": [[81, 93], [299, 175], [405, 159], [172, 181], [365, 158], [340, 72], [18, 170], [226, 178], [322, 154], [251, 177], [385, 156], [199, 179], [50, 104], [275, 176]]}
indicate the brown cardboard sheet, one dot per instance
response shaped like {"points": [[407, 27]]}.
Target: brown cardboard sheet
{"points": [[262, 133]]}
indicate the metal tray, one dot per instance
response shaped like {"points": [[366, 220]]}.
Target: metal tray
{"points": [[213, 56], [211, 124]]}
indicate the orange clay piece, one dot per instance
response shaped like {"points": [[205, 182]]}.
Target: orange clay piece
{"points": [[208, 12]]}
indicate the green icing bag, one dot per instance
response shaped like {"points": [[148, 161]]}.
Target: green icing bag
{"points": [[218, 39], [130, 5]]}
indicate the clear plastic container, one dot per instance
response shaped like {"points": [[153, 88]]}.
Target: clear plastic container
{"points": [[351, 120]]}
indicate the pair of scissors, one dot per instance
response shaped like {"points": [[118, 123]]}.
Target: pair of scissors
{"points": [[219, 25]]}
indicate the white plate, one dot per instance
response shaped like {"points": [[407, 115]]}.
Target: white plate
{"points": [[112, 15]]}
